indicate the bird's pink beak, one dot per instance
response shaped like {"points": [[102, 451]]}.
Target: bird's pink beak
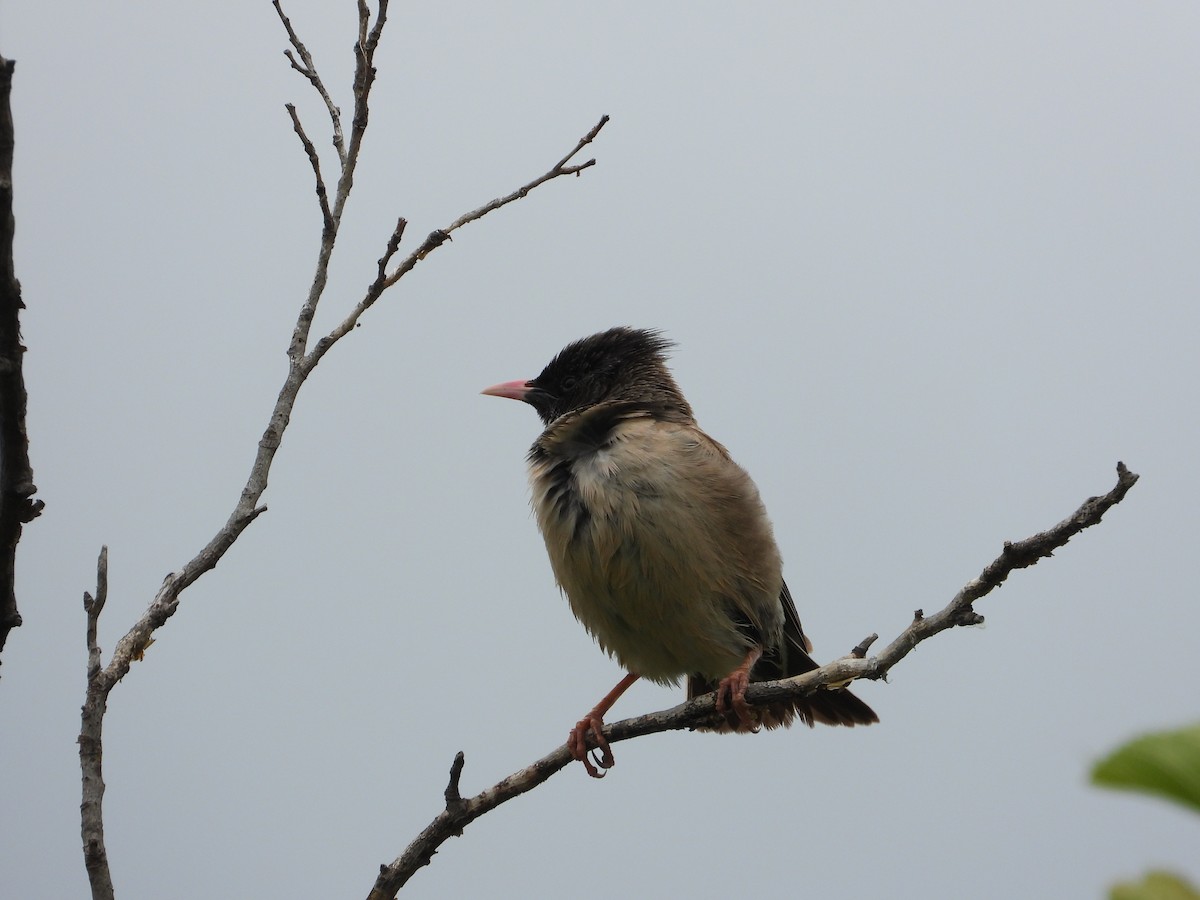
{"points": [[514, 390]]}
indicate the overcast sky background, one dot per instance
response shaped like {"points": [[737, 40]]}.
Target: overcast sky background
{"points": [[933, 269]]}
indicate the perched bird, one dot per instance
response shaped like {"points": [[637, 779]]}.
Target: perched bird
{"points": [[660, 541]]}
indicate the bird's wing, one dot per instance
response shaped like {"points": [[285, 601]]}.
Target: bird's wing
{"points": [[792, 629]]}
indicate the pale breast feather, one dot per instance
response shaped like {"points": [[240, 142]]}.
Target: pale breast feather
{"points": [[639, 522]]}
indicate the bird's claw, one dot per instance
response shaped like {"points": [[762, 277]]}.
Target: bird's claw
{"points": [[731, 701], [593, 759], [596, 760]]}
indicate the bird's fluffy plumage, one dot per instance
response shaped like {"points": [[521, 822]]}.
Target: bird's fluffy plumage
{"points": [[645, 559], [657, 537]]}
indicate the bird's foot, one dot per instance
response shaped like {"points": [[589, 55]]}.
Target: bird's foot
{"points": [[601, 755], [731, 695]]}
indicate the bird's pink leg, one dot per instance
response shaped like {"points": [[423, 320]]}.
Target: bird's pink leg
{"points": [[577, 741], [734, 687]]}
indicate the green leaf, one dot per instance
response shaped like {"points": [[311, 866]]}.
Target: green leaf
{"points": [[1155, 886], [1166, 763]]}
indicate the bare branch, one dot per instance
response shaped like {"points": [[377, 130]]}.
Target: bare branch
{"points": [[16, 475], [440, 236], [130, 648], [309, 71], [559, 168], [1020, 555], [94, 606], [364, 78], [133, 645], [311, 151], [95, 856], [562, 166], [393, 245], [703, 710]]}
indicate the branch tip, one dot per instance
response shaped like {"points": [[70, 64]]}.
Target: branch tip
{"points": [[328, 223], [101, 580], [861, 648], [309, 70], [453, 797]]}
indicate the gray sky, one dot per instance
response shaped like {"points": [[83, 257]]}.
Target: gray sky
{"points": [[932, 271]]}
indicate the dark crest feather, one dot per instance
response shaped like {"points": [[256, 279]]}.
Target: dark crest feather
{"points": [[626, 365]]}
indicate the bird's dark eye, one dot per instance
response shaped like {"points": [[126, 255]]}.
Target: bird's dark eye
{"points": [[569, 383]]}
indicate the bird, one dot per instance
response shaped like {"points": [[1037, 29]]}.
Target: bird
{"points": [[660, 541]]}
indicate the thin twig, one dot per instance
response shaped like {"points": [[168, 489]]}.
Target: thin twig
{"points": [[393, 245], [364, 78], [94, 606], [562, 166], [91, 808], [309, 71], [311, 151], [440, 236], [703, 710], [559, 168]]}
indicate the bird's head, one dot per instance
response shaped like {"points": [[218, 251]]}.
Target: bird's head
{"points": [[622, 365]]}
